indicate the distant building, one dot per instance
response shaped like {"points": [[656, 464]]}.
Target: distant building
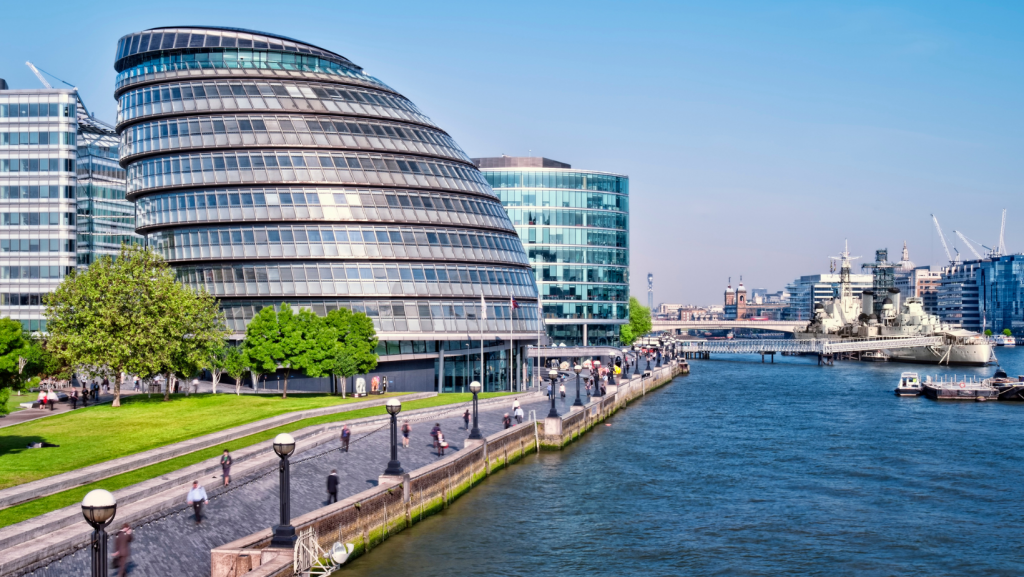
{"points": [[575, 227], [1001, 280], [735, 302], [921, 282], [958, 301], [809, 290]]}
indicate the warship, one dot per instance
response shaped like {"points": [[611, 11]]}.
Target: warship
{"points": [[849, 317]]}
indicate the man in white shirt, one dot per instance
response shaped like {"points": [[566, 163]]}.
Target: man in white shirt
{"points": [[197, 498]]}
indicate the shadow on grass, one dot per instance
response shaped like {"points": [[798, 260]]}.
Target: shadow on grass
{"points": [[10, 445]]}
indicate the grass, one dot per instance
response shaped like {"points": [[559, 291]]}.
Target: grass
{"points": [[16, 399], [37, 507], [99, 433]]}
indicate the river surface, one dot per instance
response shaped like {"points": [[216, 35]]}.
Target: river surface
{"points": [[749, 469]]}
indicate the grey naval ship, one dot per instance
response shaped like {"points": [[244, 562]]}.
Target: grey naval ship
{"points": [[848, 317]]}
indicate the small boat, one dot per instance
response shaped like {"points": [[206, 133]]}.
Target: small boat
{"points": [[1004, 341], [874, 357], [1008, 389], [909, 385], [961, 389]]}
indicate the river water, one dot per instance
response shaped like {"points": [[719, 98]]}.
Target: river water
{"points": [[749, 469]]}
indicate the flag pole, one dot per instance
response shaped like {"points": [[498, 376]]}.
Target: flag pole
{"points": [[511, 346], [483, 317]]}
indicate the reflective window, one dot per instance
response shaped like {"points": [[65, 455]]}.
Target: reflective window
{"points": [[558, 179]]}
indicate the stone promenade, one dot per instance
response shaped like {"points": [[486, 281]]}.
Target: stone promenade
{"points": [[175, 545]]}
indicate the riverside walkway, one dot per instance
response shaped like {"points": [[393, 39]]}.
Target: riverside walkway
{"points": [[172, 544]]}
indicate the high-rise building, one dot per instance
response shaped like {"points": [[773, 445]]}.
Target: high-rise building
{"points": [[921, 282], [1001, 282], [270, 170], [958, 301], [809, 290], [38, 139], [575, 224], [106, 219]]}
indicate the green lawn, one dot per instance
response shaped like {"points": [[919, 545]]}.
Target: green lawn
{"points": [[43, 505], [100, 433], [15, 400]]}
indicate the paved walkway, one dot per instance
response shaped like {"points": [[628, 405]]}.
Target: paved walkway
{"points": [[24, 415], [175, 545]]}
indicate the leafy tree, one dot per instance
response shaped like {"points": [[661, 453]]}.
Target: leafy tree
{"points": [[309, 345], [195, 336], [264, 342], [115, 316], [1008, 332], [355, 344], [13, 345], [235, 363], [988, 332], [639, 322]]}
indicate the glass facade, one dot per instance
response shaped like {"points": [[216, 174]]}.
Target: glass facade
{"points": [[575, 225], [38, 243], [1001, 282], [269, 170]]}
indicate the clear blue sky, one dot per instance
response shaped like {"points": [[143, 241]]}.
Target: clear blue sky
{"points": [[757, 135]]}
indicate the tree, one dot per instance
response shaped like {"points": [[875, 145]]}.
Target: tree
{"points": [[639, 322], [115, 316], [236, 364], [264, 342], [1008, 332], [195, 336], [355, 344], [13, 346], [988, 332]]}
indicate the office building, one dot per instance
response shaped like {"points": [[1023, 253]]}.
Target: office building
{"points": [[269, 170], [958, 301], [575, 224], [1001, 284], [921, 282], [807, 291], [38, 136]]}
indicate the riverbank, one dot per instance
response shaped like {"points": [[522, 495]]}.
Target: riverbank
{"points": [[369, 518]]}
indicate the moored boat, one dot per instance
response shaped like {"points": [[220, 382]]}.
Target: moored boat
{"points": [[959, 390], [909, 385], [1008, 389], [874, 357]]}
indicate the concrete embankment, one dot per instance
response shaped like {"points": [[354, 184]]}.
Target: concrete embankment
{"points": [[365, 520]]}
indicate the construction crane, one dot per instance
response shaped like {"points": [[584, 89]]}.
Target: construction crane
{"points": [[1002, 231], [945, 247], [39, 74], [968, 242]]}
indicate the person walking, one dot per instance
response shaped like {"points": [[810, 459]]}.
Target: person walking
{"points": [[506, 421], [74, 399], [434, 433], [51, 398], [138, 386], [197, 498], [465, 419], [515, 405], [519, 415], [406, 429], [441, 443], [561, 390], [549, 390], [95, 392], [346, 434], [225, 466], [332, 487], [122, 550]]}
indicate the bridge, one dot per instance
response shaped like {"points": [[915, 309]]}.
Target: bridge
{"points": [[823, 347], [776, 326]]}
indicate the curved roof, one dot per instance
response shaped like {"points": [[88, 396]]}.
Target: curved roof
{"points": [[196, 38]]}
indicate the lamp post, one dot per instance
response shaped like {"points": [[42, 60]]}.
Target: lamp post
{"points": [[475, 387], [648, 362], [98, 508], [553, 375], [636, 361], [661, 346], [394, 406], [284, 533], [578, 402]]}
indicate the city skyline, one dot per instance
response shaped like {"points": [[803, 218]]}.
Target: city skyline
{"points": [[797, 123]]}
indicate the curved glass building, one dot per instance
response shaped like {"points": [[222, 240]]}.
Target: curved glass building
{"points": [[270, 170], [575, 224]]}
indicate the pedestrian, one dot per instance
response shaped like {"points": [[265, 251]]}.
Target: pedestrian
{"points": [[138, 386], [195, 385], [332, 487], [225, 466], [549, 390], [41, 399], [406, 429], [506, 421], [74, 399], [197, 498], [519, 415], [561, 390], [515, 405], [441, 443], [434, 432], [51, 398], [106, 385], [95, 391], [122, 550], [346, 434], [465, 419]]}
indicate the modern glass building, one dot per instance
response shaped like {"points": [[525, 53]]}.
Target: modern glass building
{"points": [[270, 170], [38, 139], [958, 299], [1001, 286], [575, 224]]}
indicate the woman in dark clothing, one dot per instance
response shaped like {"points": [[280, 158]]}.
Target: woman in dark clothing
{"points": [[225, 466], [122, 550]]}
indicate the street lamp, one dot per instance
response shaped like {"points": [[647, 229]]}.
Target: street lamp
{"points": [[578, 402], [553, 375], [636, 361], [661, 346], [475, 387], [98, 508], [284, 533], [394, 406]]}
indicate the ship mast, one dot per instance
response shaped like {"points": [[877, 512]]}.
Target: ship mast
{"points": [[845, 288]]}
